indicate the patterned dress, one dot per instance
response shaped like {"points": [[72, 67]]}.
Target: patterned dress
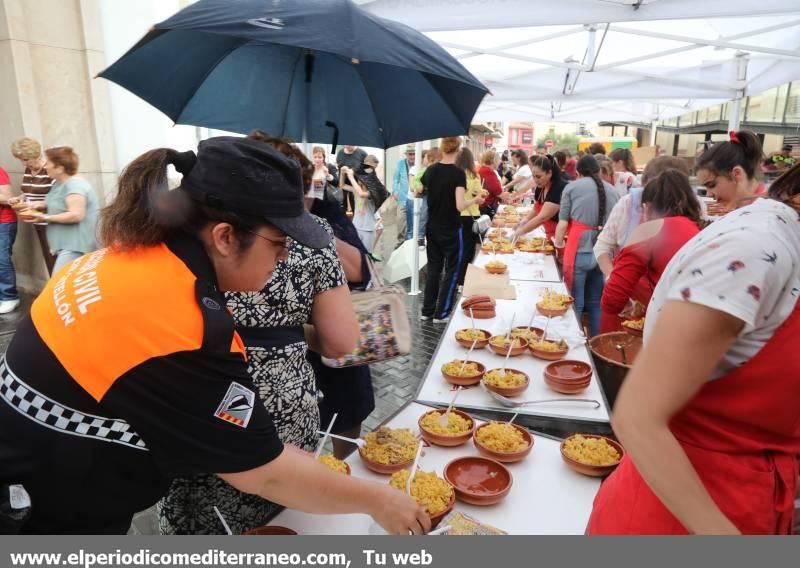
{"points": [[283, 378]]}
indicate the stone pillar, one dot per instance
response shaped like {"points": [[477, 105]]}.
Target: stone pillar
{"points": [[50, 50]]}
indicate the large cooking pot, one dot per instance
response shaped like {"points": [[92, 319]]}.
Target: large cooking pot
{"points": [[613, 355]]}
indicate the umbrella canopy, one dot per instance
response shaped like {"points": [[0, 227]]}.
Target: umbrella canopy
{"points": [[296, 68]]}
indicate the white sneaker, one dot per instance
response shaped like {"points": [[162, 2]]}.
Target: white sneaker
{"points": [[8, 306]]}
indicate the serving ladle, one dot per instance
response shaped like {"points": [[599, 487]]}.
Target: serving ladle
{"points": [[508, 403]]}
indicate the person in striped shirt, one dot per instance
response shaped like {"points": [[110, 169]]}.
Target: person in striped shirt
{"points": [[35, 186]]}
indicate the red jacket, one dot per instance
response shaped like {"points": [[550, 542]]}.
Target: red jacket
{"points": [[639, 267], [491, 183]]}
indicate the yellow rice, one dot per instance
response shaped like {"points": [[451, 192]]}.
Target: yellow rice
{"points": [[501, 437], [390, 446], [637, 324], [470, 335], [501, 341], [591, 451], [427, 489], [456, 424], [455, 368], [496, 378], [550, 345], [336, 465]]}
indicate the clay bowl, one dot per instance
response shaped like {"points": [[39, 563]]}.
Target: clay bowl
{"points": [[382, 468], [568, 371], [592, 470], [505, 457], [567, 389], [550, 313], [465, 381], [467, 343], [496, 269], [527, 330], [270, 530], [547, 355], [437, 518], [633, 332], [511, 391], [442, 439], [515, 351], [568, 377], [478, 480]]}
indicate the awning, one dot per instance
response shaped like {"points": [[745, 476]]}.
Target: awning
{"points": [[618, 60]]}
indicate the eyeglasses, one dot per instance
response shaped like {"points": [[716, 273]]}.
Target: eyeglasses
{"points": [[283, 243]]}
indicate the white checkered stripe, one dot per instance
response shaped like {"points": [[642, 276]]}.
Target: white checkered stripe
{"points": [[36, 406]]}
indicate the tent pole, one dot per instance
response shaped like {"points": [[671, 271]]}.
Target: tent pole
{"points": [[735, 120], [417, 204], [653, 128]]}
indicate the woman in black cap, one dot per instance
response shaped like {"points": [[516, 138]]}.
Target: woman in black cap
{"points": [[128, 372], [308, 287]]}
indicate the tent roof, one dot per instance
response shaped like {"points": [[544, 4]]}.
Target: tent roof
{"points": [[588, 60]]}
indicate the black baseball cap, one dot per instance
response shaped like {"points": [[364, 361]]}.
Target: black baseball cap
{"points": [[253, 179]]}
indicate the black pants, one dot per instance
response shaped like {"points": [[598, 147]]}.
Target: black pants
{"points": [[445, 251], [468, 238]]}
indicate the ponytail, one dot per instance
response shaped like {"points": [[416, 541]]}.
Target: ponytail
{"points": [[146, 212], [670, 195], [626, 156], [743, 150], [588, 167], [547, 164]]}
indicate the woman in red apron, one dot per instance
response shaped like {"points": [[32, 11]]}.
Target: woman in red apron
{"points": [[672, 218], [709, 413], [585, 205], [550, 183]]}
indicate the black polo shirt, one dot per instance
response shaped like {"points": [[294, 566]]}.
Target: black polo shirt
{"points": [[126, 375]]}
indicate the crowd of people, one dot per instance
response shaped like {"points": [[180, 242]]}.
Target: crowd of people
{"points": [[188, 404], [203, 409]]}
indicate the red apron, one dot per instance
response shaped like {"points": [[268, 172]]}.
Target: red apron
{"points": [[742, 434], [549, 225], [576, 229]]}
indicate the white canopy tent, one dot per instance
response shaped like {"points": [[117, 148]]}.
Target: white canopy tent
{"points": [[614, 60]]}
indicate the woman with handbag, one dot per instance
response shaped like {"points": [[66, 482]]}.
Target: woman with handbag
{"points": [[309, 286]]}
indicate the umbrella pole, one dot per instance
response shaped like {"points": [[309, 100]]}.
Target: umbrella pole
{"points": [[415, 236], [309, 68], [415, 231]]}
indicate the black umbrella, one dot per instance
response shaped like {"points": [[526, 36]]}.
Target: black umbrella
{"points": [[300, 69]]}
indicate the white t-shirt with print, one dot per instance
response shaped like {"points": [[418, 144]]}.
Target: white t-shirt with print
{"points": [[525, 174], [747, 264], [623, 182]]}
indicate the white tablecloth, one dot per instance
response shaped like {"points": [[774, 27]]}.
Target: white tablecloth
{"points": [[524, 266], [436, 390], [546, 497]]}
